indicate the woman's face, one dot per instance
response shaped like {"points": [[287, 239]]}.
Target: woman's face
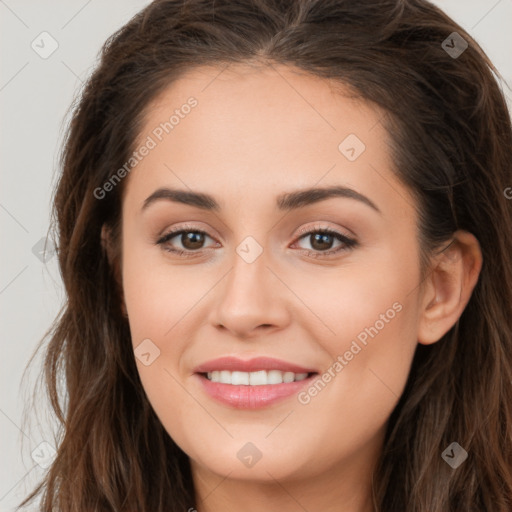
{"points": [[258, 283]]}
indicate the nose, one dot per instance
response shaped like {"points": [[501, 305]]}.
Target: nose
{"points": [[250, 299]]}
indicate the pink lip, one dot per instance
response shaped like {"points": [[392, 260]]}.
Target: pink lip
{"points": [[251, 397], [252, 365]]}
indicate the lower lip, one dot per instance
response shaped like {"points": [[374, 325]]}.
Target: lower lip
{"points": [[252, 397]]}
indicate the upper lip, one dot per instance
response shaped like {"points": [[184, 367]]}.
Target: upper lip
{"points": [[250, 365]]}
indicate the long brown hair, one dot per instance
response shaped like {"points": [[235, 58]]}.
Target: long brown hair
{"points": [[452, 146]]}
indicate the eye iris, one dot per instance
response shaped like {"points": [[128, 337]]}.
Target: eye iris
{"points": [[192, 240], [324, 239]]}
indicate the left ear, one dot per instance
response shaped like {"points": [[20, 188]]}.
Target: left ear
{"points": [[449, 286]]}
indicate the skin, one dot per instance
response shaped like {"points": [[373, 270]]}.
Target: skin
{"points": [[257, 133]]}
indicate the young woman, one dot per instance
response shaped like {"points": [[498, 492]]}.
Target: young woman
{"points": [[284, 234]]}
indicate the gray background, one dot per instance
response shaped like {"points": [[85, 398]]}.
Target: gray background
{"points": [[35, 96]]}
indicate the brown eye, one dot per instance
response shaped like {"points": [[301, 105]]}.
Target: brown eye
{"points": [[191, 240], [322, 240]]}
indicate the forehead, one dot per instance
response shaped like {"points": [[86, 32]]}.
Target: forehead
{"points": [[259, 131]]}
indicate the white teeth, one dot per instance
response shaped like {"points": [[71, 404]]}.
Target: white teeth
{"points": [[238, 378], [274, 377], [259, 378], [225, 377], [288, 377]]}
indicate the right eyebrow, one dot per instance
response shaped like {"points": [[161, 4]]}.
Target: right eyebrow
{"points": [[198, 199]]}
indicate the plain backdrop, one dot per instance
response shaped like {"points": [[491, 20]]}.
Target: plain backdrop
{"points": [[36, 92]]}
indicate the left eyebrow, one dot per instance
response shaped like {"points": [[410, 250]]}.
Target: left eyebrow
{"points": [[304, 197], [287, 201]]}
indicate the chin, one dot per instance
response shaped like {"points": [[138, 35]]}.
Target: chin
{"points": [[245, 461]]}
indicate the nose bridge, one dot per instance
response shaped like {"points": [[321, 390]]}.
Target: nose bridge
{"points": [[249, 296], [248, 280]]}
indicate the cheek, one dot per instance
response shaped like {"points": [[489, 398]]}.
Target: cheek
{"points": [[370, 359], [368, 320], [162, 302], [157, 293], [157, 301], [362, 300], [361, 385]]}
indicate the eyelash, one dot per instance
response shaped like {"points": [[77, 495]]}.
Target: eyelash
{"points": [[348, 243]]}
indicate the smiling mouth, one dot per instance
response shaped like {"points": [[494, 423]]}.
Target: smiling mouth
{"points": [[257, 378]]}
